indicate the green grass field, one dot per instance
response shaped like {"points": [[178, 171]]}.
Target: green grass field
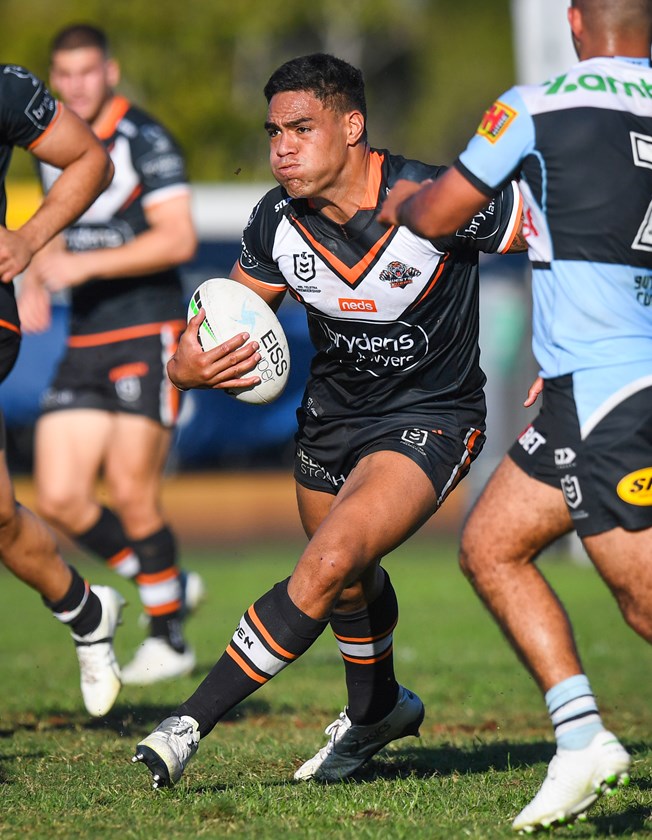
{"points": [[484, 745]]}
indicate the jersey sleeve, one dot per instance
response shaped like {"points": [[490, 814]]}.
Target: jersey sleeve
{"points": [[256, 253], [492, 229], [503, 139], [159, 163], [27, 108]]}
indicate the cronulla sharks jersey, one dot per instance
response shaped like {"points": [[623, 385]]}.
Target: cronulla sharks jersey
{"points": [[393, 317], [582, 145]]}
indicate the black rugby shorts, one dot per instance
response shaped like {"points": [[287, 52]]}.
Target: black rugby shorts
{"points": [[606, 478], [443, 446], [127, 376]]}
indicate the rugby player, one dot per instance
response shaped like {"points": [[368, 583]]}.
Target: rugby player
{"points": [[111, 408], [392, 415], [32, 119], [582, 143]]}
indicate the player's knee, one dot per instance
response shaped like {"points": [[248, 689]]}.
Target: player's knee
{"points": [[58, 508], [637, 612]]}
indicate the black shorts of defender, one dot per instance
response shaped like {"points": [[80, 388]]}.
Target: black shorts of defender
{"points": [[606, 478], [327, 450], [123, 376]]}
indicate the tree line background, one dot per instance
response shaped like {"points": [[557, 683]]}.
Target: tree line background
{"points": [[431, 66]]}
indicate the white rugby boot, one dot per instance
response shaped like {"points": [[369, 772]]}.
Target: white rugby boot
{"points": [[576, 778], [155, 660], [99, 671], [351, 745], [168, 749]]}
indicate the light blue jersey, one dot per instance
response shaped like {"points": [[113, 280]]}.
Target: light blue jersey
{"points": [[581, 145]]}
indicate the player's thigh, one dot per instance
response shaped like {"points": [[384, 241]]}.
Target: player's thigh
{"points": [[69, 449], [624, 561], [136, 454], [314, 507], [515, 517], [384, 500]]}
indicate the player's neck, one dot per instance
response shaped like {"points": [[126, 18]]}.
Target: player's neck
{"points": [[342, 200], [611, 46]]}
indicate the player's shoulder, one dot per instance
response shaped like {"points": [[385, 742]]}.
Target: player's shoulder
{"points": [[26, 104], [141, 127], [273, 206], [397, 166]]}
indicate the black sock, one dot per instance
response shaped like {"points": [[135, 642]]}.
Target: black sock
{"points": [[159, 585], [271, 635], [108, 541], [365, 639], [80, 608]]}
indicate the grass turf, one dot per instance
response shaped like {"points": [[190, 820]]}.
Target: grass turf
{"points": [[485, 742]]}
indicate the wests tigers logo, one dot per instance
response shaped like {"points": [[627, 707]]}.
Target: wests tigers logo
{"points": [[398, 275]]}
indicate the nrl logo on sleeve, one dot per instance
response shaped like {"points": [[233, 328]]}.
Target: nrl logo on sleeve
{"points": [[495, 121]]}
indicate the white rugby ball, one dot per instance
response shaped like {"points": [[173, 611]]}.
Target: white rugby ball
{"points": [[232, 308]]}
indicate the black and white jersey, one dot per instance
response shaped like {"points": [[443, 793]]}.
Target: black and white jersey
{"points": [[393, 317], [149, 168]]}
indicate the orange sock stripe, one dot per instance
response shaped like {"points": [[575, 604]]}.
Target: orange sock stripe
{"points": [[157, 577], [119, 557], [164, 609], [356, 641], [243, 665], [370, 661], [264, 633]]}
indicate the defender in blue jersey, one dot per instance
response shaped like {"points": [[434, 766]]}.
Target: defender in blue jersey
{"points": [[581, 145]]}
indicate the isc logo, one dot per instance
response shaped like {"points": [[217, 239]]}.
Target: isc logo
{"points": [[636, 488], [352, 305]]}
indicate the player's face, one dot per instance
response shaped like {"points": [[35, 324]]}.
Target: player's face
{"points": [[84, 79], [308, 144]]}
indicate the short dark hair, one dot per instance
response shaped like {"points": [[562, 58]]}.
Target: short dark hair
{"points": [[337, 84], [80, 35]]}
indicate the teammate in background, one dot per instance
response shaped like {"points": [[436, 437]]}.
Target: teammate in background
{"points": [[32, 119], [392, 416], [586, 460], [111, 408]]}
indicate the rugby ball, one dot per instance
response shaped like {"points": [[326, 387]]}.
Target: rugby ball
{"points": [[232, 308]]}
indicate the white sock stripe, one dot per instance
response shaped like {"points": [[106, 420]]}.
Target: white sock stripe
{"points": [[366, 650], [128, 567], [157, 594], [67, 617], [246, 640], [586, 703]]}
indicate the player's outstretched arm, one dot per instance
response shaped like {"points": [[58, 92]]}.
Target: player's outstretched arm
{"points": [[86, 168], [437, 208], [223, 367]]}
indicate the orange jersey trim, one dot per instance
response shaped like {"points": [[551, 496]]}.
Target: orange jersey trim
{"points": [[53, 121], [9, 326], [517, 224], [133, 369], [243, 665], [105, 126], [263, 632], [123, 334]]}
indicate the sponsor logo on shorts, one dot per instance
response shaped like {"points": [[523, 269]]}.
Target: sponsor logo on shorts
{"points": [[304, 266], [352, 305], [309, 467], [570, 487], [128, 389], [495, 121], [636, 487], [564, 457], [531, 440], [398, 275], [415, 439]]}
